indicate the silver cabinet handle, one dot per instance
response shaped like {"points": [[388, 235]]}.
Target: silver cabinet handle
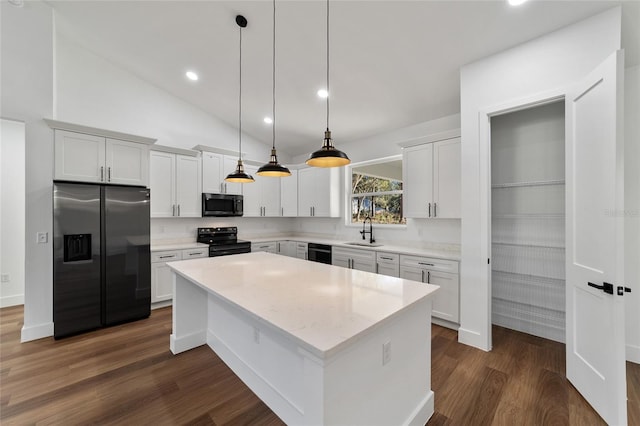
{"points": [[101, 173], [281, 211], [386, 258], [221, 187], [173, 210], [108, 174], [170, 256], [226, 188], [377, 267], [278, 247], [310, 211], [428, 277], [195, 254], [422, 278], [425, 264], [178, 209], [429, 209], [435, 209]]}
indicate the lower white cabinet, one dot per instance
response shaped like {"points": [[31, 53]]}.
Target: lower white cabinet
{"points": [[301, 251], [161, 282], [388, 264], [286, 248], [269, 247], [362, 260], [443, 273]]}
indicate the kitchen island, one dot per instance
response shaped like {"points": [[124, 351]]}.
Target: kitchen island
{"points": [[319, 344]]}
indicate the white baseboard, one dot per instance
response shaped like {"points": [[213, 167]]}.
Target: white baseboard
{"points": [[423, 412], [473, 338], [187, 342], [162, 304], [35, 332], [633, 353], [14, 300]]}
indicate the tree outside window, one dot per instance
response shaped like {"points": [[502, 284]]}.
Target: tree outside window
{"points": [[376, 196]]}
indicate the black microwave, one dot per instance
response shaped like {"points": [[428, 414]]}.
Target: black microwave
{"points": [[221, 205]]}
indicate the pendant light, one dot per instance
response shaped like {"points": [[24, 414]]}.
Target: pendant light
{"points": [[273, 168], [239, 175], [328, 155]]}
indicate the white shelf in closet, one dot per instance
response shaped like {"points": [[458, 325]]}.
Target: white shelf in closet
{"points": [[524, 184]]}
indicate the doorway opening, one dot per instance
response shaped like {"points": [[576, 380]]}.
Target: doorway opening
{"points": [[528, 220]]}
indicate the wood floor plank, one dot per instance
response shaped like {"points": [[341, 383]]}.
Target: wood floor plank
{"points": [[127, 375]]}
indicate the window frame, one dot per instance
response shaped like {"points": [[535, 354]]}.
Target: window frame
{"points": [[349, 195]]}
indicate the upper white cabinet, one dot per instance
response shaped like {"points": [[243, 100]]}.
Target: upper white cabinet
{"points": [[175, 184], [215, 167], [431, 179], [262, 197], [90, 158], [289, 195], [319, 192]]}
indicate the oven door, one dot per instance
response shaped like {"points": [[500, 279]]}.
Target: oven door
{"points": [[320, 253]]}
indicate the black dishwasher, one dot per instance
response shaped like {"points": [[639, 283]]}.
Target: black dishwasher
{"points": [[319, 253]]}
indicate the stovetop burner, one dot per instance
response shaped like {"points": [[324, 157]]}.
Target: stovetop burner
{"points": [[223, 241]]}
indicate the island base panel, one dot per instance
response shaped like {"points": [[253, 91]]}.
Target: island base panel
{"points": [[189, 316]]}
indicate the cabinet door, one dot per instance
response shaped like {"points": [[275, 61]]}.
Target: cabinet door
{"points": [[301, 251], [446, 179], [188, 193], [79, 157], [161, 282], [127, 163], [411, 273], [417, 172], [252, 194], [389, 270], [341, 260], [270, 195], [445, 300], [306, 188], [269, 247], [162, 184], [229, 166], [212, 166], [289, 195]]}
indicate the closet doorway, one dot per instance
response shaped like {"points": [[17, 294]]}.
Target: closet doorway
{"points": [[528, 220]]}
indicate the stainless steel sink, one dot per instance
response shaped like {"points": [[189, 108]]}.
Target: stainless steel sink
{"points": [[363, 244]]}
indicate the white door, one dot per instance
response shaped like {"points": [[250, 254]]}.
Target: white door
{"points": [[79, 157], [162, 184], [188, 194], [594, 236], [127, 163], [270, 196], [417, 177]]}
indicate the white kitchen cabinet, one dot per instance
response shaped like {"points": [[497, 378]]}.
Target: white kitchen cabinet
{"points": [[302, 251], [431, 179], [269, 247], [175, 184], [286, 248], [289, 195], [262, 197], [388, 264], [439, 272], [161, 279], [98, 159], [318, 192], [215, 167], [362, 260]]}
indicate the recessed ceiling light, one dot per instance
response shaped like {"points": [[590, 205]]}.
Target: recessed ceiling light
{"points": [[323, 93], [516, 2], [192, 75], [268, 120]]}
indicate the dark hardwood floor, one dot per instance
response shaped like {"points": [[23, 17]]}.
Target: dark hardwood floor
{"points": [[127, 375]]}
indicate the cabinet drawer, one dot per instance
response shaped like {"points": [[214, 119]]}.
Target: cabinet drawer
{"points": [[166, 256], [363, 255], [392, 258], [450, 266], [195, 253]]}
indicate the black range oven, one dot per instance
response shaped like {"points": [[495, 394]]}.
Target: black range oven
{"points": [[223, 241]]}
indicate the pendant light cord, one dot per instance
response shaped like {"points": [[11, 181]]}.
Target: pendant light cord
{"points": [[273, 97], [328, 93], [240, 103]]}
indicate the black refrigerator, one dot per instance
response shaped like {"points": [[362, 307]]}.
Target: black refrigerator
{"points": [[101, 256]]}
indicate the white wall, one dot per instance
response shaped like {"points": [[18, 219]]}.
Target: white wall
{"points": [[27, 95], [632, 210], [441, 233], [94, 92], [551, 62], [12, 220]]}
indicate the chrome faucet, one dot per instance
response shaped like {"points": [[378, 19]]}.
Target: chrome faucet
{"points": [[370, 231]]}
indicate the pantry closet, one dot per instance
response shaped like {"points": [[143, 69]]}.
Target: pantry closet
{"points": [[528, 220]]}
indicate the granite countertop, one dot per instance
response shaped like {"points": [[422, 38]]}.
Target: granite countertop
{"points": [[323, 307]]}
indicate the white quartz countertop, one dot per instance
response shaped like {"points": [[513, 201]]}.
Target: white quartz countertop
{"points": [[383, 247], [176, 246], [322, 307]]}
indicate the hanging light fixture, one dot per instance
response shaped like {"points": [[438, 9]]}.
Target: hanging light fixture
{"points": [[328, 155], [273, 168], [239, 175]]}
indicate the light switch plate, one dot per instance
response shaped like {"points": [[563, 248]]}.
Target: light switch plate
{"points": [[386, 352], [42, 237]]}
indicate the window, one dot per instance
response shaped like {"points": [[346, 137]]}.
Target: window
{"points": [[376, 191]]}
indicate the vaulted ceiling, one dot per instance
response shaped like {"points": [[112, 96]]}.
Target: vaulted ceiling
{"points": [[393, 63]]}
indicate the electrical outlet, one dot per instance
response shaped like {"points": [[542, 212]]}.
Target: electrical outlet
{"points": [[386, 352], [42, 237], [256, 335], [5, 278]]}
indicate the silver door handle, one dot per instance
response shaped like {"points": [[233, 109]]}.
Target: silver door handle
{"points": [[108, 174], [101, 173], [429, 209], [435, 209]]}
